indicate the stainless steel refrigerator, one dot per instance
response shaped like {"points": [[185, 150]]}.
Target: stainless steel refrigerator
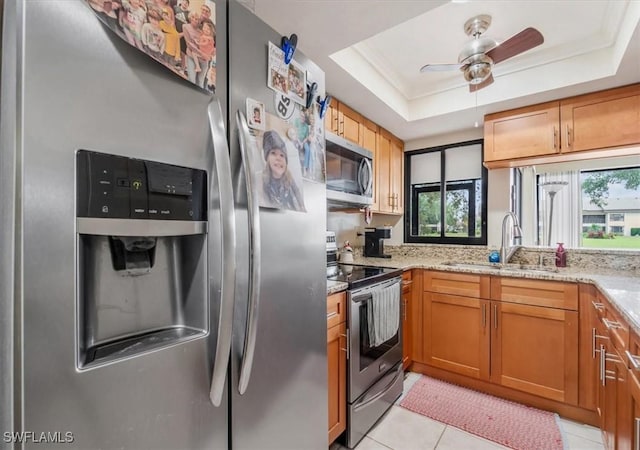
{"points": [[200, 323]]}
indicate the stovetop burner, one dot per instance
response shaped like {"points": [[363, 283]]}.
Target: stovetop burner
{"points": [[358, 276]]}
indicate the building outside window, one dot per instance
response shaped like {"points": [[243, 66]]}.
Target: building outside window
{"points": [[446, 195]]}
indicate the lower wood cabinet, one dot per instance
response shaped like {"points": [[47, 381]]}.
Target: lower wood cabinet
{"points": [[337, 364], [524, 337], [634, 408], [456, 336], [407, 319], [535, 349]]}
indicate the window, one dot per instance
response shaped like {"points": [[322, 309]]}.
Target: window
{"points": [[589, 208], [616, 193], [593, 218], [446, 195]]}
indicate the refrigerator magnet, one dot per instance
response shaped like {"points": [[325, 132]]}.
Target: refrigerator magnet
{"points": [[154, 32], [284, 106], [255, 114], [297, 83], [277, 70]]}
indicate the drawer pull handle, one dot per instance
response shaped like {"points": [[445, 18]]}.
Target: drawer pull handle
{"points": [[331, 314], [611, 324], [598, 306], [633, 359]]}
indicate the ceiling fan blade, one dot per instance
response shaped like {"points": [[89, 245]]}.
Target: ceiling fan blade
{"points": [[439, 67], [484, 84], [519, 43]]}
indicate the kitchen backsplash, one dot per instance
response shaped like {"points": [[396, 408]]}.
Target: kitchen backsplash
{"points": [[576, 258]]}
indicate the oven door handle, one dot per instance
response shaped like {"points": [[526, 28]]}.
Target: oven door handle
{"points": [[368, 401], [363, 294]]}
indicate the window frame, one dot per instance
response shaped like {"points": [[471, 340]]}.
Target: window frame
{"points": [[411, 201]]}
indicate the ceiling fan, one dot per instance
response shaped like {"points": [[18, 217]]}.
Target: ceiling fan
{"points": [[480, 54]]}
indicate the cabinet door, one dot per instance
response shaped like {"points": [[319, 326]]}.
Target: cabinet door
{"points": [[634, 408], [396, 174], [331, 118], [588, 357], [383, 156], [456, 334], [535, 349], [337, 367], [604, 119], [521, 133], [370, 142], [407, 327], [349, 124]]}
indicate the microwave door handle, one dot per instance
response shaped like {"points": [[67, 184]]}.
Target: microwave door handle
{"points": [[228, 231], [361, 184], [369, 175], [254, 261]]}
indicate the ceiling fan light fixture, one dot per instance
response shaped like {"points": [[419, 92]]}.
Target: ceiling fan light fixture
{"points": [[476, 73]]}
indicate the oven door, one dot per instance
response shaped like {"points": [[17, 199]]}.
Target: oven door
{"points": [[367, 364]]}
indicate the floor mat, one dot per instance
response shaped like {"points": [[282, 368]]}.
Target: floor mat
{"points": [[507, 423]]}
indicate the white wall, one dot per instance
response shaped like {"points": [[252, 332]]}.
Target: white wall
{"points": [[499, 184], [348, 225], [469, 134]]}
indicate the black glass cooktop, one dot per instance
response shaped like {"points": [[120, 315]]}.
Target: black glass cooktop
{"points": [[359, 276]]}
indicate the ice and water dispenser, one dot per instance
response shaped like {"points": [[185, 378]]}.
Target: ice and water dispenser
{"points": [[142, 263]]}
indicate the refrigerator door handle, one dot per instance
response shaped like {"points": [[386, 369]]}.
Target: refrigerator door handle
{"points": [[228, 229], [254, 261]]}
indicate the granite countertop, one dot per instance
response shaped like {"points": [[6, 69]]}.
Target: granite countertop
{"points": [[336, 286], [621, 288]]}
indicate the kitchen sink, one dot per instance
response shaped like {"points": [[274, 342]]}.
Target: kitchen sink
{"points": [[464, 265], [501, 267]]}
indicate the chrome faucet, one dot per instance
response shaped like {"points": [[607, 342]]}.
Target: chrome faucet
{"points": [[508, 249]]}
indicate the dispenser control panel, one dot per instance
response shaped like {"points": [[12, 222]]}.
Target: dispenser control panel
{"points": [[110, 186]]}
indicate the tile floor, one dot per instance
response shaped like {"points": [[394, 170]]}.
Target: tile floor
{"points": [[401, 429]]}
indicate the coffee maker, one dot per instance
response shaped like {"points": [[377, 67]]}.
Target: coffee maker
{"points": [[374, 242]]}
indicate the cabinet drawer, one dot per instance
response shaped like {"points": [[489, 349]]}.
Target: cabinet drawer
{"points": [[464, 284], [550, 294], [336, 313], [617, 328]]}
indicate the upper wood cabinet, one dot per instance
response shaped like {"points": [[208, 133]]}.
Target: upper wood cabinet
{"points": [[370, 141], [521, 133], [331, 118], [601, 120], [390, 166], [345, 122], [554, 131]]}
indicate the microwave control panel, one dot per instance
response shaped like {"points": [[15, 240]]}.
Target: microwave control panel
{"points": [[110, 186]]}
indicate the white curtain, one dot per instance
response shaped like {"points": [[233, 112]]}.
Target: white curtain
{"points": [[567, 220]]}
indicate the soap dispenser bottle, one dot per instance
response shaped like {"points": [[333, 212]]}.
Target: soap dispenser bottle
{"points": [[561, 256]]}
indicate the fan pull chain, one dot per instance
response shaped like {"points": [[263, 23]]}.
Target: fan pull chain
{"points": [[476, 112]]}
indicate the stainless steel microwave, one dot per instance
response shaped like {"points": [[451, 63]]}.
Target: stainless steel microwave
{"points": [[349, 173]]}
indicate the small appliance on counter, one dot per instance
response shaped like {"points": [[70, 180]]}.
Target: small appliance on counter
{"points": [[374, 242]]}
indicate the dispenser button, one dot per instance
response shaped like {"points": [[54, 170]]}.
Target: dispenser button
{"points": [[122, 182]]}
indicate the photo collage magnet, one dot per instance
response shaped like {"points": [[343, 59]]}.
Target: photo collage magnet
{"points": [[179, 34]]}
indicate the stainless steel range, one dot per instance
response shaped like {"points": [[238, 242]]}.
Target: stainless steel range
{"points": [[375, 375]]}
